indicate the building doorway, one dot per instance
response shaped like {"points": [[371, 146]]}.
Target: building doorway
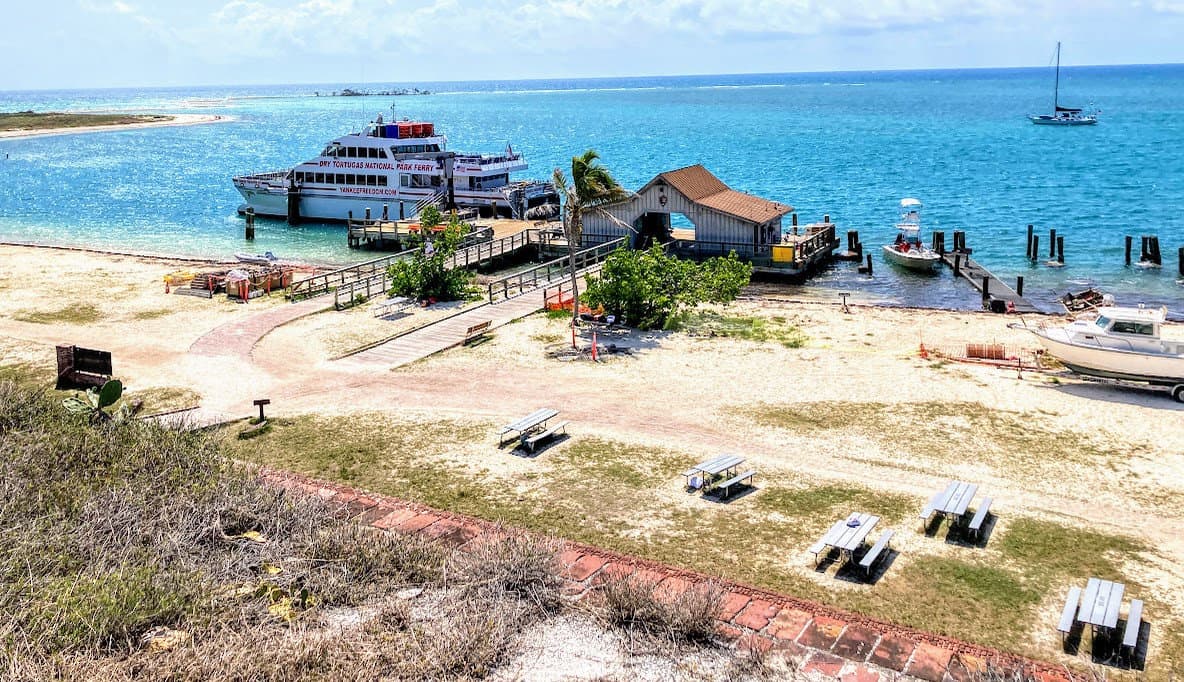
{"points": [[651, 228]]}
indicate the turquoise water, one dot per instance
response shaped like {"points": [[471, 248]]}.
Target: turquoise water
{"points": [[847, 144]]}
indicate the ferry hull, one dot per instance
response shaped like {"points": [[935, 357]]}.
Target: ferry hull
{"points": [[329, 207], [1112, 363]]}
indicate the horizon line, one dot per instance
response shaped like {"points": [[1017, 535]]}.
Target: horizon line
{"points": [[601, 78]]}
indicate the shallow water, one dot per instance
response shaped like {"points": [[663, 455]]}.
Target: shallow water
{"points": [[850, 145]]}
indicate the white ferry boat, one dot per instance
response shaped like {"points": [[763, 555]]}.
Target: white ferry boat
{"points": [[400, 167]]}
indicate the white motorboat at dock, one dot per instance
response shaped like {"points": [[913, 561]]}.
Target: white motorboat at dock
{"points": [[908, 251], [1121, 343]]}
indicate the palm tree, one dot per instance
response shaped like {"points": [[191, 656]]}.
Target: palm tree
{"points": [[591, 189]]}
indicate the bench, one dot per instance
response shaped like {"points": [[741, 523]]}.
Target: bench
{"points": [[980, 515], [1070, 610], [926, 513], [531, 441], [726, 485], [476, 331], [818, 548], [1134, 621], [392, 305], [874, 553]]}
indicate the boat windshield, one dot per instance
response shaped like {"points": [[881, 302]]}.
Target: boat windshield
{"points": [[1103, 321]]}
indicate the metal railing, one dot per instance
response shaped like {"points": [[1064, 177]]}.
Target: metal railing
{"points": [[433, 200], [546, 273]]}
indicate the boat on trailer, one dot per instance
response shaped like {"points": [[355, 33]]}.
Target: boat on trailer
{"points": [[908, 251], [1122, 344], [394, 170]]}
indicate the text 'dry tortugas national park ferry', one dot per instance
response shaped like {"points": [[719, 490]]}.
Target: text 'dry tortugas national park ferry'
{"points": [[402, 165]]}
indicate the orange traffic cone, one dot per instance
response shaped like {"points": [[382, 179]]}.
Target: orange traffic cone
{"points": [[166, 286], [924, 353]]}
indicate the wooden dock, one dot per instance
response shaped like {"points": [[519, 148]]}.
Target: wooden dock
{"points": [[977, 275]]}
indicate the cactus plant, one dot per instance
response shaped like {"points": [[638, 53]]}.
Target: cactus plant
{"points": [[95, 402]]}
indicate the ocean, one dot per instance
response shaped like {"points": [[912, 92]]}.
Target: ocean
{"points": [[850, 145]]}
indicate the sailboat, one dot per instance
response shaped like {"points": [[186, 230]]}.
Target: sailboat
{"points": [[1063, 116]]}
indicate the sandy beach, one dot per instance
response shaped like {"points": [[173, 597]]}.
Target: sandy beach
{"points": [[175, 120], [855, 405]]}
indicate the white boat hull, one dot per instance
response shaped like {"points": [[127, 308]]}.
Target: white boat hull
{"points": [[920, 261], [1052, 121], [1109, 361]]}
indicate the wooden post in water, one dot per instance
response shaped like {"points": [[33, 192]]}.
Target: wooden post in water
{"points": [[1156, 257], [367, 214], [1019, 285], [1052, 244], [402, 213], [939, 242], [250, 229], [986, 289], [386, 214], [852, 240], [1143, 249], [1061, 250], [1181, 266], [1028, 253], [1035, 246], [957, 263], [869, 264], [1129, 239], [826, 218]]}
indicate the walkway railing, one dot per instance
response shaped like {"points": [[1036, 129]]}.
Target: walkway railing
{"points": [[549, 272], [326, 282]]}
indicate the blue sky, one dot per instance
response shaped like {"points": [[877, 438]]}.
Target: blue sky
{"points": [[130, 43]]}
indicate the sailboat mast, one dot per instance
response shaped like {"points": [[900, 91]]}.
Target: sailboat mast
{"points": [[1056, 89]]}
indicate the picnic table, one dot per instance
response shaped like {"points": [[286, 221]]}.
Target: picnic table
{"points": [[952, 501], [846, 535], [713, 469], [1100, 603], [535, 421]]}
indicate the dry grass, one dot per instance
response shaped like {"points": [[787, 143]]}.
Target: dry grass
{"points": [[72, 314], [512, 564], [637, 606]]}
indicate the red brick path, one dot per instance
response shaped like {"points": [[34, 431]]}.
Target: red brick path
{"points": [[827, 641]]}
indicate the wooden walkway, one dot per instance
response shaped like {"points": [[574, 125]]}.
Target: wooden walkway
{"points": [[998, 291], [444, 334]]}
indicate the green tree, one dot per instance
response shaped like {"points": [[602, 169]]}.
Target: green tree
{"points": [[425, 273], [430, 217], [592, 187], [648, 288]]}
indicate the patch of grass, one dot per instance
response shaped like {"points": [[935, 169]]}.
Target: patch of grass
{"points": [[1025, 443], [164, 398], [1051, 552], [75, 314], [559, 314], [153, 314], [546, 338], [711, 324], [636, 605], [29, 120], [826, 504]]}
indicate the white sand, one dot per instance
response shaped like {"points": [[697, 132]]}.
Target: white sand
{"points": [[176, 120]]}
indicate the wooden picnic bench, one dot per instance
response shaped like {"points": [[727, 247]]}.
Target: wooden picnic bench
{"points": [[818, 548], [476, 331], [980, 515], [1069, 612], [392, 306], [726, 485], [532, 441], [1134, 621], [874, 553]]}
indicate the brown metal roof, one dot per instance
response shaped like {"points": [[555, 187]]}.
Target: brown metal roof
{"points": [[700, 186], [745, 206], [695, 182]]}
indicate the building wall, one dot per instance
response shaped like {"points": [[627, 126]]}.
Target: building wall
{"points": [[710, 226]]}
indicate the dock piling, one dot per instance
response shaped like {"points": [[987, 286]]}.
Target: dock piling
{"points": [[1019, 285], [957, 263], [1129, 239], [385, 212], [1061, 250], [1144, 249], [1181, 266], [402, 214], [1028, 252], [986, 290], [869, 264], [249, 231], [1035, 247], [1052, 244], [1156, 257]]}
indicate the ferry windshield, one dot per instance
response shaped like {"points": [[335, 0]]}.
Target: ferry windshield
{"points": [[1103, 321]]}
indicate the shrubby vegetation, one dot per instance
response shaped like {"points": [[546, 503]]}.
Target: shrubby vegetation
{"points": [[648, 288], [424, 275]]}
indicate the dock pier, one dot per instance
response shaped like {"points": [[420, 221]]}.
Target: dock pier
{"points": [[996, 294]]}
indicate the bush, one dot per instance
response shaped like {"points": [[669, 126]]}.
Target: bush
{"points": [[516, 565], [648, 288], [424, 275]]}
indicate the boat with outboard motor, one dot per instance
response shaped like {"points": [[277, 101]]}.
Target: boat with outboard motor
{"points": [[1120, 343], [908, 251], [394, 170]]}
